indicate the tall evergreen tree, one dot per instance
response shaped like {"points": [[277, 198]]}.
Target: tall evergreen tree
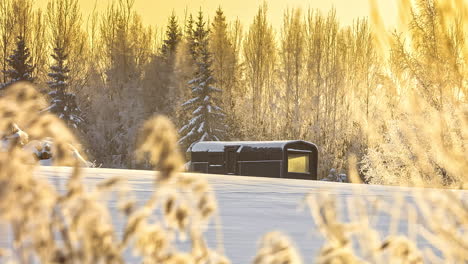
{"points": [[20, 64], [173, 37], [225, 66], [207, 123], [221, 49], [189, 36], [159, 82], [63, 103]]}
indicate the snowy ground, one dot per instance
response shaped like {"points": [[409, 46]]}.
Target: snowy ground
{"points": [[250, 207]]}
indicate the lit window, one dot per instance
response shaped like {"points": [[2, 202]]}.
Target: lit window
{"points": [[298, 163]]}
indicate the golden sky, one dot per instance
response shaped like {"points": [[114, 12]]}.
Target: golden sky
{"points": [[155, 12]]}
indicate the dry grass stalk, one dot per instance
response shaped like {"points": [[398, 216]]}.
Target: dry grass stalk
{"points": [[411, 143], [75, 227], [186, 202], [344, 239], [276, 248], [444, 214]]}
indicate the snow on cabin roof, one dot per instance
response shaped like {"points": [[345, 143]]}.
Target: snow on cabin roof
{"points": [[218, 146]]}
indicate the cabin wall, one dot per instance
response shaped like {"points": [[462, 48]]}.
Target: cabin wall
{"points": [[263, 168], [254, 160], [260, 154], [201, 167]]}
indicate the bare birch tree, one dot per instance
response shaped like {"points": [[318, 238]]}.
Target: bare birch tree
{"points": [[292, 54], [7, 25], [260, 62]]}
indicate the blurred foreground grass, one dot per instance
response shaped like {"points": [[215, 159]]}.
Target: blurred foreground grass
{"points": [[75, 226]]}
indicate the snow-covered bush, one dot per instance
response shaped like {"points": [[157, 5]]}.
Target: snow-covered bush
{"points": [[41, 150], [16, 136], [333, 176], [40, 145], [417, 144]]}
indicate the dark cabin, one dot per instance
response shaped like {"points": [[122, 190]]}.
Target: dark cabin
{"points": [[295, 159]]}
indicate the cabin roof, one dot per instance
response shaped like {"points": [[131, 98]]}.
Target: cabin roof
{"points": [[218, 146]]}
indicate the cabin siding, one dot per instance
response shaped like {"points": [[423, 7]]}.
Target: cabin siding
{"points": [[261, 159], [265, 168]]}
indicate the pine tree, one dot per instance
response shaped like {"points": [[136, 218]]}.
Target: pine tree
{"points": [[20, 64], [63, 103], [225, 66], [221, 49], [173, 37], [207, 123], [159, 81], [190, 37]]}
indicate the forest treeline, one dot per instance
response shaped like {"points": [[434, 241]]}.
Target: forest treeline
{"points": [[218, 79]]}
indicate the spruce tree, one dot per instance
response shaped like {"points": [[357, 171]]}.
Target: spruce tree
{"points": [[225, 66], [173, 37], [189, 36], [63, 103], [207, 123], [222, 51], [20, 64], [159, 82]]}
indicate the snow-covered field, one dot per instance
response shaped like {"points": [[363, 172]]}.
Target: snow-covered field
{"points": [[250, 207]]}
